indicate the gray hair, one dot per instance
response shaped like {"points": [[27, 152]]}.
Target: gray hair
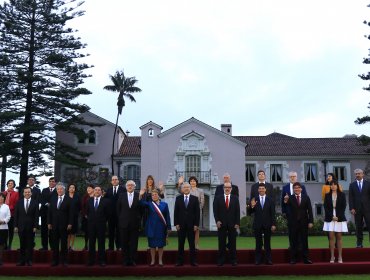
{"points": [[130, 182], [226, 175], [292, 173], [358, 170], [185, 184], [60, 184]]}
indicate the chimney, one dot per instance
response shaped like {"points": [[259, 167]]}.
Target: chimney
{"points": [[227, 128]]}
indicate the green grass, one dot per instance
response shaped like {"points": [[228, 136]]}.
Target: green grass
{"points": [[210, 242], [316, 277]]}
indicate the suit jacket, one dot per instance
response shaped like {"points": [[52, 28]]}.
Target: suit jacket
{"points": [[264, 218], [286, 190], [62, 217], [301, 212], [100, 215], [186, 216], [114, 198], [360, 201], [45, 198], [228, 217], [26, 221], [339, 209], [220, 190], [129, 217], [269, 191]]}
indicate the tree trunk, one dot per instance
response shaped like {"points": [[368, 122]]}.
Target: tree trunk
{"points": [[28, 113], [113, 144], [3, 173]]}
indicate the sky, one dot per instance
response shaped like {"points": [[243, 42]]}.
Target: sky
{"points": [[264, 66]]}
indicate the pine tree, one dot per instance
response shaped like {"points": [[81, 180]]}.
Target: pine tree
{"points": [[40, 74]]}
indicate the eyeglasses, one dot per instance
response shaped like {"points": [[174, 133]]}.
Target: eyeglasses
{"points": [[227, 187]]}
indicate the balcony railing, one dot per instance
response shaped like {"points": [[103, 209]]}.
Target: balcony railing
{"points": [[203, 177]]}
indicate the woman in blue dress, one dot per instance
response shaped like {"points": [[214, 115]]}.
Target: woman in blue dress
{"points": [[157, 225]]}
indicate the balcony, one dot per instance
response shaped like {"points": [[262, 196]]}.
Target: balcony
{"points": [[204, 177]]}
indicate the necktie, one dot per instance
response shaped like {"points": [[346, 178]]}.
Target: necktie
{"points": [[298, 200], [186, 201], [227, 202], [59, 202], [262, 201], [359, 186], [130, 200], [96, 204], [27, 205], [7, 199], [114, 191]]}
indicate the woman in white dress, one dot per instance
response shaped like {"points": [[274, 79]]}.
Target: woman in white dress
{"points": [[335, 219], [4, 219]]}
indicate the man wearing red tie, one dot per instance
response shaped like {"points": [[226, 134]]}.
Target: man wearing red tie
{"points": [[226, 210], [301, 219]]}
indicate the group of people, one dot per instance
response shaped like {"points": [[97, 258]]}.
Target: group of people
{"points": [[125, 211]]}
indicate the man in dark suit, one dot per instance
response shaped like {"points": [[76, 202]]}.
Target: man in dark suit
{"points": [[98, 211], [262, 180], [26, 220], [35, 190], [220, 188], [300, 220], [113, 194], [226, 211], [264, 223], [359, 204], [288, 190], [46, 195], [186, 220], [60, 220], [129, 214]]}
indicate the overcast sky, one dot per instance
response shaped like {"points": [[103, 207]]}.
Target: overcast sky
{"points": [[287, 66]]}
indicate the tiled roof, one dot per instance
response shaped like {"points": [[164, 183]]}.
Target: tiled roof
{"points": [[281, 145], [275, 144], [131, 147]]}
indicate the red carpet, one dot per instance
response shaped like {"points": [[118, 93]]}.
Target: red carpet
{"points": [[356, 261]]}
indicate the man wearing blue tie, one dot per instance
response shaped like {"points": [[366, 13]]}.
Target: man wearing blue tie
{"points": [[359, 204], [264, 223]]}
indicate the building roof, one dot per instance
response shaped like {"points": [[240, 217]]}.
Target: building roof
{"points": [[130, 147], [282, 145]]}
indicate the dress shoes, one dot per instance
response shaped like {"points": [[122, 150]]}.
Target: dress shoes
{"points": [[269, 262], [65, 263], [220, 264], [152, 264], [21, 263], [102, 264], [179, 264], [257, 263], [194, 264], [90, 264], [234, 263], [43, 249], [359, 246], [29, 263], [307, 261], [54, 264], [292, 262]]}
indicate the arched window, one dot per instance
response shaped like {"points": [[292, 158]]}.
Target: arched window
{"points": [[150, 132], [92, 136]]}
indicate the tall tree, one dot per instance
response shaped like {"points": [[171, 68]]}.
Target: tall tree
{"points": [[41, 74], [125, 86]]}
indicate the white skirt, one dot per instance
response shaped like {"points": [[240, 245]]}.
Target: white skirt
{"points": [[335, 226]]}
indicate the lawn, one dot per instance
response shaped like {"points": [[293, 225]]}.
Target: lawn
{"points": [[316, 277], [210, 242]]}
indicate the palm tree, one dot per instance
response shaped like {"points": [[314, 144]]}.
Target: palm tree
{"points": [[125, 86]]}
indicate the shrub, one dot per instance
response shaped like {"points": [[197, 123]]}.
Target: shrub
{"points": [[246, 224]]}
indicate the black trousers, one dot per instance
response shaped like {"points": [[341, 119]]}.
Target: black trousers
{"points": [[59, 237], [96, 232], [182, 234], [26, 240], [228, 232], [266, 242], [129, 242], [46, 238], [113, 233], [299, 238]]}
